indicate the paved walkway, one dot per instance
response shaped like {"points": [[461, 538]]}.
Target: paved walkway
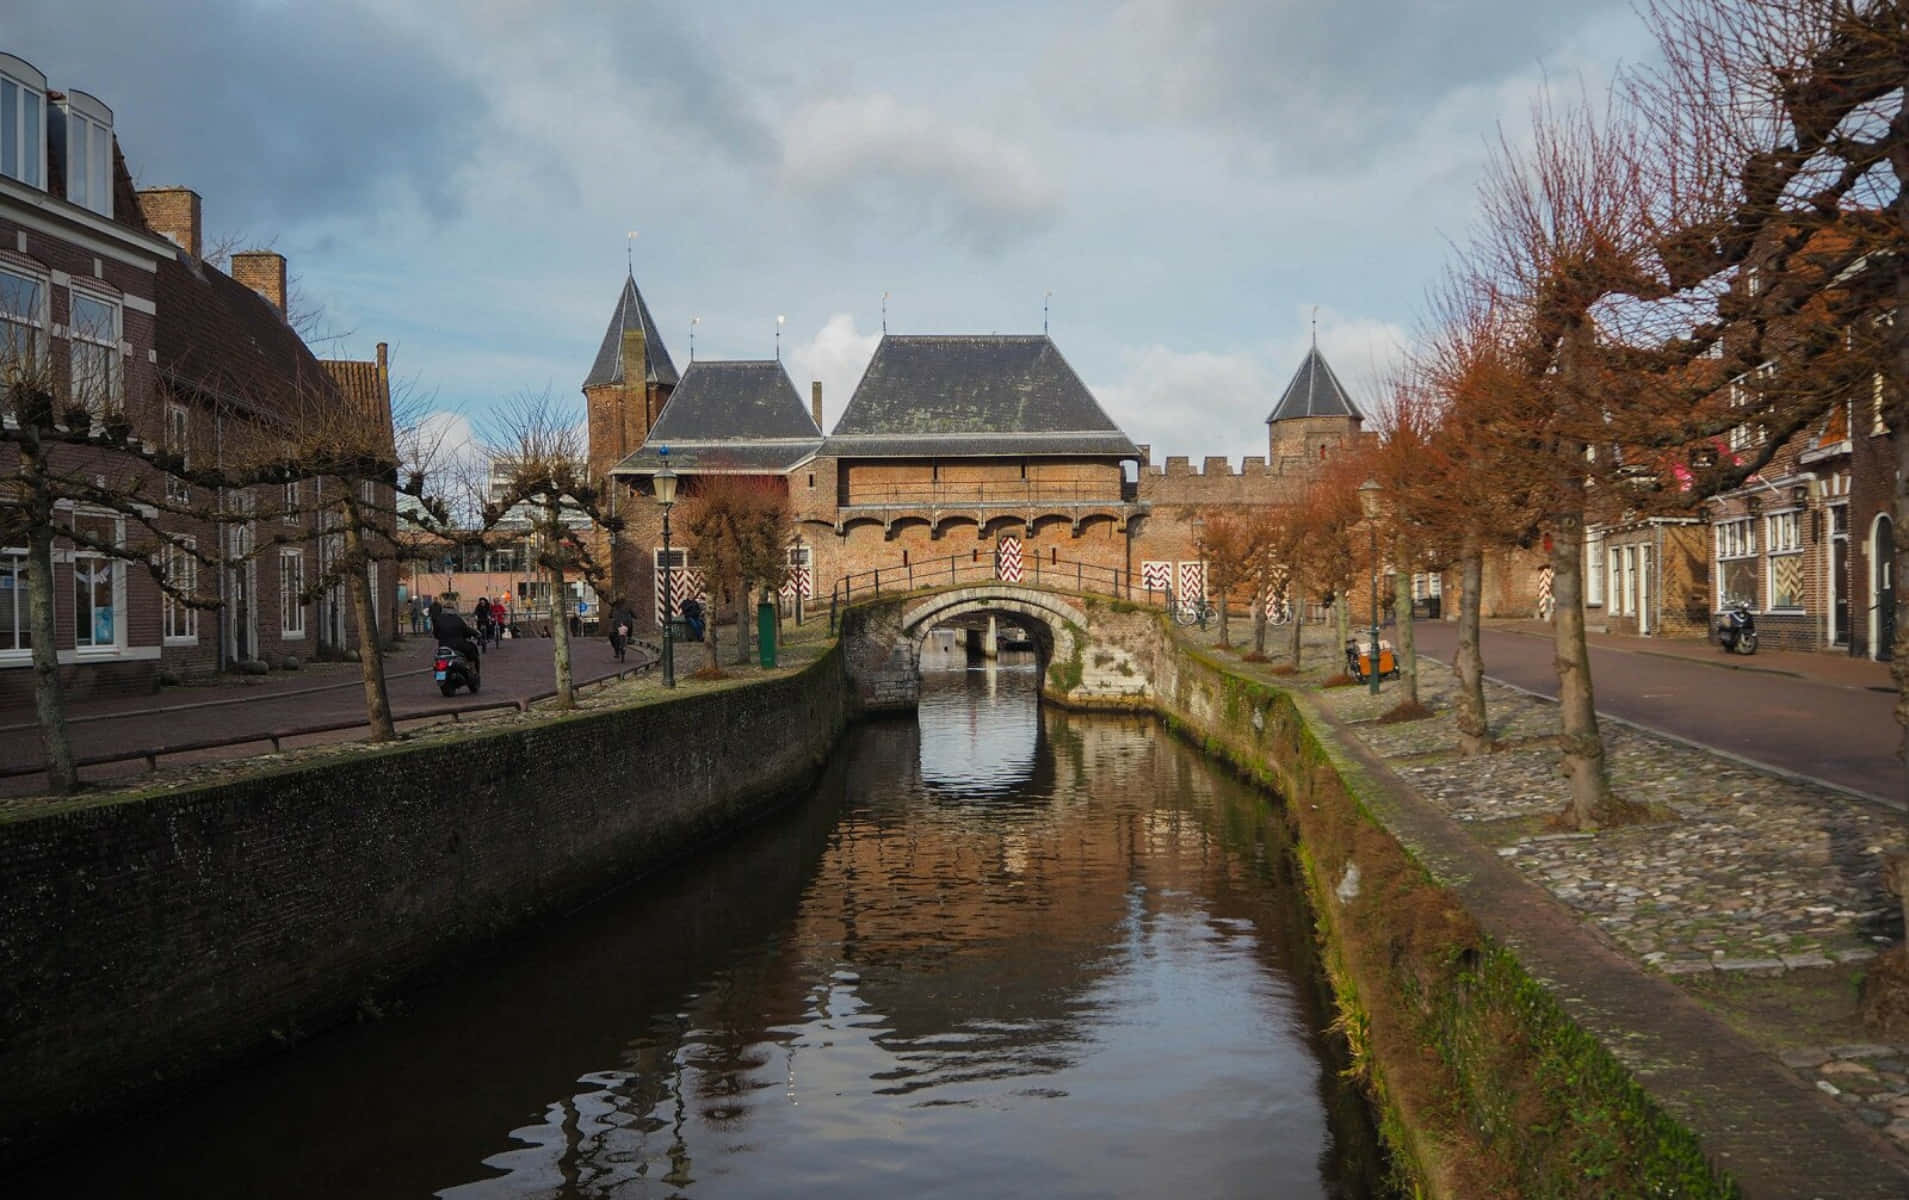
{"points": [[322, 694], [1705, 951]]}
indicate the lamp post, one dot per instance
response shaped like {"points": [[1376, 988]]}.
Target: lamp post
{"points": [[1370, 498], [799, 583], [665, 481]]}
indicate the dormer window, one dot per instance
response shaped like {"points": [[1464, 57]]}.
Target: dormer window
{"points": [[85, 134], [22, 122]]}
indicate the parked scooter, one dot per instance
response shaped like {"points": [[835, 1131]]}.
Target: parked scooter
{"points": [[453, 670], [1737, 630]]}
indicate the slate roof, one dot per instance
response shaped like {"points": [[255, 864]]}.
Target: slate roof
{"points": [[972, 396], [1314, 392], [729, 418], [217, 336], [631, 311]]}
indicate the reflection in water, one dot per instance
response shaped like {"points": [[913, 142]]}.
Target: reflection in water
{"points": [[1083, 974]]}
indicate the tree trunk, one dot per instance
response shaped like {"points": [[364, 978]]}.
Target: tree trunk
{"points": [[370, 652], [560, 640], [1474, 729], [49, 699], [1897, 411], [1296, 631], [1344, 612], [1225, 640], [742, 624], [710, 660], [1260, 595], [1593, 805], [1402, 612]]}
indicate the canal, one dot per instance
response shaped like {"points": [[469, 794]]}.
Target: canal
{"points": [[1002, 951]]}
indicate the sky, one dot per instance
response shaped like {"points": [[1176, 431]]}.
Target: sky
{"points": [[1191, 180]]}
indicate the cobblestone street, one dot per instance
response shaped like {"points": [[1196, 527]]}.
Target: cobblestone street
{"points": [[1750, 873]]}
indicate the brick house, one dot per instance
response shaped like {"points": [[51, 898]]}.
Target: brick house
{"points": [[109, 285]]}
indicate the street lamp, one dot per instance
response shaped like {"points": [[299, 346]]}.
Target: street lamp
{"points": [[1371, 497], [665, 481]]}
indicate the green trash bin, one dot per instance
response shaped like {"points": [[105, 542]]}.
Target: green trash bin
{"points": [[766, 632]]}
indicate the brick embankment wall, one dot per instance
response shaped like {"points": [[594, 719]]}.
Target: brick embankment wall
{"points": [[1462, 1050], [151, 938]]}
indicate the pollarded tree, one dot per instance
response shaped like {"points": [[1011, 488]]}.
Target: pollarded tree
{"points": [[1232, 545], [741, 526], [538, 456]]}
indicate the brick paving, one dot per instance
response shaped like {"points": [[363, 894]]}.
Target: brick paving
{"points": [[1750, 874]]}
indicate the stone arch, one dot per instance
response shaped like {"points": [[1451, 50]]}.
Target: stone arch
{"points": [[1056, 624]]}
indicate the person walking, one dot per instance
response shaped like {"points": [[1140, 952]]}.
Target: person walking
{"points": [[622, 621], [500, 613]]}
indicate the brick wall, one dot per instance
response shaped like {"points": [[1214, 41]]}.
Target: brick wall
{"points": [[155, 937]]}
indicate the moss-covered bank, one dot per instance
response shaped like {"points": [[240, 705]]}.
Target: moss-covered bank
{"points": [[1484, 1084]]}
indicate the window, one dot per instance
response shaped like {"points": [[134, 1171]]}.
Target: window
{"points": [[16, 632], [291, 601], [1594, 569], [1752, 282], [1739, 398], [22, 322], [1736, 560], [86, 126], [180, 621], [1783, 534], [22, 122], [94, 338], [179, 442], [1877, 391], [96, 584], [291, 503]]}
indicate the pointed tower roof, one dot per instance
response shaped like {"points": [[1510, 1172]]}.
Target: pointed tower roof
{"points": [[631, 312], [1314, 392]]}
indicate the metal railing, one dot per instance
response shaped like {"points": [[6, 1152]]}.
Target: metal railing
{"points": [[978, 567]]}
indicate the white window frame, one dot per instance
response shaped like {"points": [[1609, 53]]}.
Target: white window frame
{"points": [[291, 581], [116, 568], [1782, 538], [109, 342], [1594, 569], [178, 439], [13, 568], [1877, 389], [1739, 435], [179, 623], [290, 515], [1736, 541], [37, 322], [29, 168], [89, 171]]}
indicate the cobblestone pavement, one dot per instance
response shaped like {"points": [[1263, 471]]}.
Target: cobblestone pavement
{"points": [[1747, 872]]}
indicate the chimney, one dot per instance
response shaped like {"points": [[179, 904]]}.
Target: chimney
{"points": [[173, 212], [815, 401], [383, 357], [263, 272]]}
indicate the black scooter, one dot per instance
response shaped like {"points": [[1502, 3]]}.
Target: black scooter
{"points": [[452, 671], [1737, 630]]}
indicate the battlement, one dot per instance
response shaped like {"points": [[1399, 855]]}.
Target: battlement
{"points": [[1215, 466]]}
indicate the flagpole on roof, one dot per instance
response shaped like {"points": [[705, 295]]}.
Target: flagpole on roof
{"points": [[693, 323], [629, 253], [884, 312], [1044, 300]]}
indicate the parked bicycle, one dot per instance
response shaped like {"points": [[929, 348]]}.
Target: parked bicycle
{"points": [[1192, 611], [1279, 612]]}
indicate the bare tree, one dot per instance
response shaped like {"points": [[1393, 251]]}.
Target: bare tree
{"points": [[1232, 545], [539, 454]]}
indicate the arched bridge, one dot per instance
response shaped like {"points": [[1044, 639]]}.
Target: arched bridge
{"points": [[1096, 650]]}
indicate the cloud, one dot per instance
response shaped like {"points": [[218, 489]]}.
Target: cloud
{"points": [[1325, 82], [837, 355], [901, 164], [272, 112], [1200, 403]]}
